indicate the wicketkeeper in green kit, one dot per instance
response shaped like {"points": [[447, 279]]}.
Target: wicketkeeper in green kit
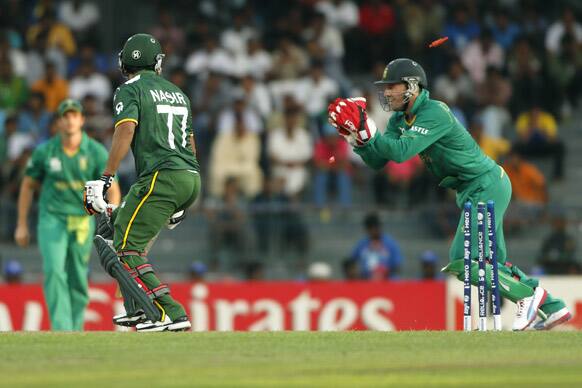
{"points": [[60, 168], [153, 116], [427, 127]]}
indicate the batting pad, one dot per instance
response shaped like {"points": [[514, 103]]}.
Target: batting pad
{"points": [[130, 287]]}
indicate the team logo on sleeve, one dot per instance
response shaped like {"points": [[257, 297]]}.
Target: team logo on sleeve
{"points": [[119, 107]]}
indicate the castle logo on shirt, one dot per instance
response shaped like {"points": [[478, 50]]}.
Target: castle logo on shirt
{"points": [[82, 163], [55, 165], [421, 130]]}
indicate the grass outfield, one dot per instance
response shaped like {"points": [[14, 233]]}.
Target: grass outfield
{"points": [[291, 359]]}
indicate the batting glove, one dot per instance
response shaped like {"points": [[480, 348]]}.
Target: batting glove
{"points": [[94, 194]]}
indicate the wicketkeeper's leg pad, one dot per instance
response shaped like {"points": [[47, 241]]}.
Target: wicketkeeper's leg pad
{"points": [[511, 286], [129, 287]]}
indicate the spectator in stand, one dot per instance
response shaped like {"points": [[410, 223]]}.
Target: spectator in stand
{"points": [[537, 133], [419, 26], [462, 29], [168, 31], [525, 71], [254, 271], [331, 159], [290, 149], [235, 154], [558, 250], [289, 60], [533, 22], [566, 25], [326, 45], [54, 88], [256, 95], [97, 120], [377, 23], [429, 268], [255, 61], [90, 81], [226, 217], [13, 89], [565, 70], [12, 272], [34, 119], [455, 86], [39, 55], [267, 210], [529, 189], [505, 30], [342, 14], [494, 95], [401, 183], [378, 254], [15, 55], [58, 35], [81, 17], [480, 54], [197, 272], [350, 269], [240, 109], [88, 53], [210, 58], [236, 38], [495, 148], [316, 90]]}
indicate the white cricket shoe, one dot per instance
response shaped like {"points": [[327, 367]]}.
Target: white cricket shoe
{"points": [[527, 309], [129, 320], [555, 319], [180, 324]]}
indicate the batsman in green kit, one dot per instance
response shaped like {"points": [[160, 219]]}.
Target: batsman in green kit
{"points": [[427, 127], [153, 117], [60, 168]]}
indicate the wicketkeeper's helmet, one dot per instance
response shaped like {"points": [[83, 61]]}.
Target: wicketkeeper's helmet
{"points": [[401, 70]]}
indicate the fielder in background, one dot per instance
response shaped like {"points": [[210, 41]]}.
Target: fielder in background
{"points": [[427, 127], [59, 169], [153, 116]]}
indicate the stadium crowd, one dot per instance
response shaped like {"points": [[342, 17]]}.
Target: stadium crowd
{"points": [[260, 75]]}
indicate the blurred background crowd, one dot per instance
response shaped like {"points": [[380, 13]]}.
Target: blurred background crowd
{"points": [[260, 75]]}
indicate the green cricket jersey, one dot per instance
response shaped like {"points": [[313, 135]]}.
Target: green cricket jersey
{"points": [[445, 146], [163, 117], [63, 176]]}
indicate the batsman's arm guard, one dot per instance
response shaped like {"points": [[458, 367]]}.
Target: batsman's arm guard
{"points": [[129, 287]]}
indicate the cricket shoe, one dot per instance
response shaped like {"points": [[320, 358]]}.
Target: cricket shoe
{"points": [[554, 319], [179, 324], [527, 309], [130, 320]]}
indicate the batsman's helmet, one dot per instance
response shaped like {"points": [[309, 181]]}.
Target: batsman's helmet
{"points": [[401, 70], [141, 51]]}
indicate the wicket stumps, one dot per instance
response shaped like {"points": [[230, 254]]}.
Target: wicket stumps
{"points": [[488, 213]]}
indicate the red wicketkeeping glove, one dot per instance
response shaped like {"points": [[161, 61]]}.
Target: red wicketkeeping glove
{"points": [[349, 117]]}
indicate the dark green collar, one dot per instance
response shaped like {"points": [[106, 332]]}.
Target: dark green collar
{"points": [[146, 72]]}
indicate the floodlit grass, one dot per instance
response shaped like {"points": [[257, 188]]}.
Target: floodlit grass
{"points": [[291, 359]]}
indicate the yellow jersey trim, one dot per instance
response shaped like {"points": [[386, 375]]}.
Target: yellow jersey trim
{"points": [[124, 121]]}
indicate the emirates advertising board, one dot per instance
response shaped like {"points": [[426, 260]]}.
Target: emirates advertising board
{"points": [[277, 306]]}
